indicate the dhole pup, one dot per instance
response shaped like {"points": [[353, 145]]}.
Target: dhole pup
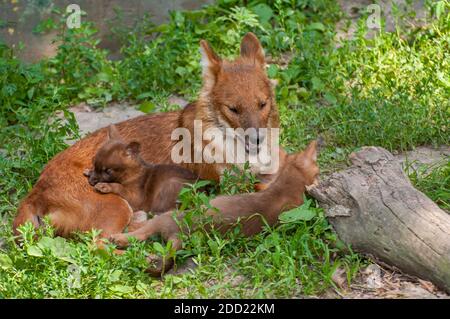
{"points": [[119, 169], [299, 171]]}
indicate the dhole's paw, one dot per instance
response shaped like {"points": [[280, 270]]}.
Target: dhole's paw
{"points": [[120, 240], [103, 188], [314, 184]]}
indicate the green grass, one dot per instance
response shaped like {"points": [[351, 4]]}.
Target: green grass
{"points": [[295, 258], [392, 90], [434, 181]]}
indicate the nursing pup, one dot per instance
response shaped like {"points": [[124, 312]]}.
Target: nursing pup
{"points": [[284, 193], [119, 169], [235, 94]]}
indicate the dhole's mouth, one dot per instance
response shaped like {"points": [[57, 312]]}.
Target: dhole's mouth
{"points": [[250, 148]]}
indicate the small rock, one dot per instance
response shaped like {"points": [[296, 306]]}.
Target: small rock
{"points": [[184, 268], [373, 279]]}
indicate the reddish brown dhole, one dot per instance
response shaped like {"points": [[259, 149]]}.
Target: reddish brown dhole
{"points": [[234, 94], [299, 171]]}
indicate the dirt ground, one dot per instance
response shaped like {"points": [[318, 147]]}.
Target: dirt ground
{"points": [[377, 281]]}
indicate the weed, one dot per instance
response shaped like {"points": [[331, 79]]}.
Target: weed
{"points": [[434, 181]]}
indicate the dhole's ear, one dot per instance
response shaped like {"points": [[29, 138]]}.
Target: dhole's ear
{"points": [[133, 148], [113, 132], [252, 49], [211, 64], [311, 151]]}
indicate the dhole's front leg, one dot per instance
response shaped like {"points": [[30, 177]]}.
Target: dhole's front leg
{"points": [[105, 188], [162, 224], [149, 228]]}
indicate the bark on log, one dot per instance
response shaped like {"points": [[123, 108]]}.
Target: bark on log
{"points": [[374, 208]]}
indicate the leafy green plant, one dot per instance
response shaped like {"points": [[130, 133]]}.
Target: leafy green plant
{"points": [[236, 180], [47, 266], [34, 125], [82, 67]]}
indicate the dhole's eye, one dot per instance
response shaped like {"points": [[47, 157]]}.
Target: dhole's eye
{"points": [[233, 109], [109, 171], [262, 105]]}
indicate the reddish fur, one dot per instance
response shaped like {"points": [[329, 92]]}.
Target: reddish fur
{"points": [[284, 193], [119, 169], [63, 193]]}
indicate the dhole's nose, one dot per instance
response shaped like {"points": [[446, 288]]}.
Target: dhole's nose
{"points": [[92, 180]]}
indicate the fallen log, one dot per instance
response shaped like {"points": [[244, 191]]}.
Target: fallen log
{"points": [[374, 208]]}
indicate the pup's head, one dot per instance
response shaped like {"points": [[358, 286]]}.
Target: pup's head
{"points": [[305, 163], [115, 161], [238, 94]]}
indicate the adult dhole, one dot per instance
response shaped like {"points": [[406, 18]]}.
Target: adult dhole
{"points": [[235, 94]]}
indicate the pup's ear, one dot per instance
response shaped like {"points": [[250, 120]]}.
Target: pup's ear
{"points": [[311, 151], [133, 148], [113, 133], [211, 64], [251, 48]]}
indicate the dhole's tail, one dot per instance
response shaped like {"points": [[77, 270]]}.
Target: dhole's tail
{"points": [[28, 211]]}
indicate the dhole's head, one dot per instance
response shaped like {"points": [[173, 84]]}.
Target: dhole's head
{"points": [[115, 161], [305, 164], [238, 94]]}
